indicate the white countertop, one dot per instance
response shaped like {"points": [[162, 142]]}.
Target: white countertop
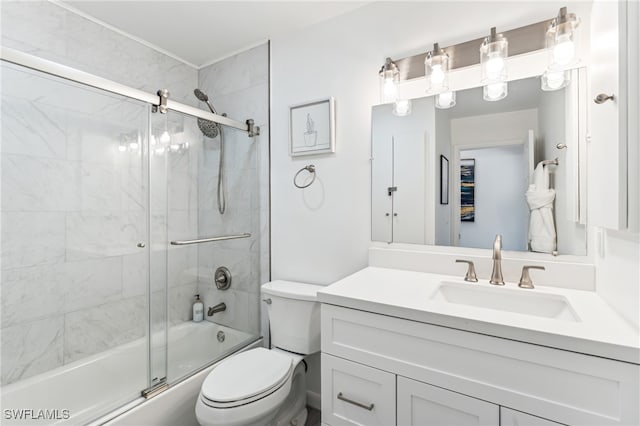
{"points": [[600, 331]]}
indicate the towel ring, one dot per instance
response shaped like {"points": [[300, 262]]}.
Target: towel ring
{"points": [[311, 169]]}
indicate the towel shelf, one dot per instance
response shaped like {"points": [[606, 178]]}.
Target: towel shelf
{"points": [[209, 240]]}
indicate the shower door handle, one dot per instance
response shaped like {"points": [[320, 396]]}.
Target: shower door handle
{"points": [[209, 240]]}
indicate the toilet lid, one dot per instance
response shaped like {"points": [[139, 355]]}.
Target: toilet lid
{"points": [[246, 375]]}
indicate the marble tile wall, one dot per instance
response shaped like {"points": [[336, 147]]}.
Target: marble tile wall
{"points": [[74, 207], [238, 86]]}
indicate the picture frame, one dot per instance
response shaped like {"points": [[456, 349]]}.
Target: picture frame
{"points": [[312, 128], [444, 180], [467, 190]]}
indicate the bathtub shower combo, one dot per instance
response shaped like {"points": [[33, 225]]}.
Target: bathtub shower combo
{"points": [[115, 214]]}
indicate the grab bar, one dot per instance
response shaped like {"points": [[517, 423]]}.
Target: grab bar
{"points": [[208, 240]]}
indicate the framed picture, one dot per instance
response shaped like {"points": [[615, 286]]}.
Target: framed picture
{"points": [[444, 180], [312, 128], [467, 190]]}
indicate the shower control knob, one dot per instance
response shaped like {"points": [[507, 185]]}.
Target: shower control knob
{"points": [[141, 245], [222, 278]]}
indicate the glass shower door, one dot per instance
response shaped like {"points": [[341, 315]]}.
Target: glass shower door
{"points": [[184, 207], [75, 259]]}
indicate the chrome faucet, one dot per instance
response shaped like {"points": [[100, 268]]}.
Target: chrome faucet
{"points": [[214, 309], [496, 273]]}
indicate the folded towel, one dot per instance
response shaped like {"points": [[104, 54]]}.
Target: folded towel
{"points": [[542, 231]]}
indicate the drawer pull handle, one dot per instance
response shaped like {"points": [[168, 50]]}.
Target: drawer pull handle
{"points": [[356, 403]]}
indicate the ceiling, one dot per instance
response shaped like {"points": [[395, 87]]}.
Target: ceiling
{"points": [[202, 32]]}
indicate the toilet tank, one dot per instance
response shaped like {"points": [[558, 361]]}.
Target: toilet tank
{"points": [[294, 315]]}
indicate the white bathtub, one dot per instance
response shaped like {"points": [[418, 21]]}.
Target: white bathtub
{"points": [[96, 385]]}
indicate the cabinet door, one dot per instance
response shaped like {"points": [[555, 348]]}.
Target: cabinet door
{"points": [[509, 417], [421, 404], [354, 394], [608, 147]]}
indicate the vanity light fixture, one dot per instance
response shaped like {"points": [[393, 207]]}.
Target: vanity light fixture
{"points": [[493, 62], [561, 39], [561, 47], [389, 80], [436, 70]]}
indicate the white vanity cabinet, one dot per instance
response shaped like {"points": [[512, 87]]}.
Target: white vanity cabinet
{"points": [[461, 377], [420, 404]]}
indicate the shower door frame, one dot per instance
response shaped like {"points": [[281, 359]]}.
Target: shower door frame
{"points": [[49, 67]]}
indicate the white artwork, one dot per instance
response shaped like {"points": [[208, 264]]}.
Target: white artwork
{"points": [[311, 128]]}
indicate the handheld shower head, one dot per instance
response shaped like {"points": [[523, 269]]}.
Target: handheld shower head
{"points": [[204, 98]]}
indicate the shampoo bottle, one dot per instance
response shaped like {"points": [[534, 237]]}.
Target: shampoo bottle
{"points": [[198, 309]]}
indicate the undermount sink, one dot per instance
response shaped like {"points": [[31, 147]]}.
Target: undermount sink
{"points": [[526, 302]]}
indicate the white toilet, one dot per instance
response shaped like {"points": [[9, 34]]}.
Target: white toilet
{"points": [[261, 386]]}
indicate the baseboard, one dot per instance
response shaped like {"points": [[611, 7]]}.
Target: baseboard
{"points": [[313, 400]]}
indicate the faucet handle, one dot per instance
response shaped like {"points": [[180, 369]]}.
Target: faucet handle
{"points": [[525, 279], [471, 271]]}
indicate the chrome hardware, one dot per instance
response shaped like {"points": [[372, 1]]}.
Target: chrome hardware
{"points": [[603, 97], [471, 271], [252, 129], [141, 245], [561, 146], [222, 278], [553, 162], [215, 309], [367, 407], [311, 169], [164, 95], [208, 240], [386, 214], [496, 273], [525, 279], [267, 301], [391, 190], [395, 214], [155, 389], [220, 336]]}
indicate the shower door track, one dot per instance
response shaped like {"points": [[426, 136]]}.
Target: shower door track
{"points": [[49, 67]]}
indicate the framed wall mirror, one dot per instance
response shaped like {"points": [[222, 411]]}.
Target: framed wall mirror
{"points": [[516, 167]]}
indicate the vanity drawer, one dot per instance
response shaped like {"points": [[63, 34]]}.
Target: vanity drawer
{"points": [[568, 387], [354, 394], [509, 417]]}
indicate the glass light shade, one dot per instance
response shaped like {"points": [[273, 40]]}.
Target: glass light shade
{"points": [[555, 80], [389, 80], [436, 70], [562, 40], [446, 100], [122, 147], [165, 137], [495, 91], [493, 58], [402, 107]]}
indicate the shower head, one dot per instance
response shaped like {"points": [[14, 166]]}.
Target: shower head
{"points": [[204, 98], [201, 95], [208, 128]]}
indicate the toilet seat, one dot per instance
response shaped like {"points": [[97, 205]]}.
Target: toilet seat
{"points": [[246, 377]]}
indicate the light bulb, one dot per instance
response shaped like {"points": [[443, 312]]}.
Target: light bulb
{"points": [[122, 147], [390, 91], [133, 146], [564, 50], [402, 107], [174, 147], [495, 91], [446, 100], [494, 67], [437, 75], [165, 138], [159, 151]]}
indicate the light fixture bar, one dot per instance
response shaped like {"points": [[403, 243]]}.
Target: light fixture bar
{"points": [[521, 40]]}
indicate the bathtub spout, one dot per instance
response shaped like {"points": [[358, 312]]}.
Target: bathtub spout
{"points": [[218, 308]]}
